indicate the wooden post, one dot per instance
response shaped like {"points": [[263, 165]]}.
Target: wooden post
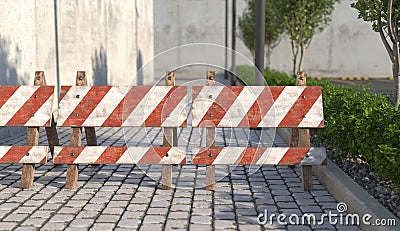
{"points": [[169, 140], [32, 139], [210, 140], [303, 140], [90, 132], [76, 139]]}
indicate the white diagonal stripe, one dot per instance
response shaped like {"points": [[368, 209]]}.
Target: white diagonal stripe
{"points": [[105, 107], [175, 156], [126, 158], [314, 116], [15, 102], [203, 102], [4, 150], [272, 156], [146, 106], [238, 110], [229, 155], [178, 115], [281, 106], [70, 102], [137, 153], [42, 115], [315, 157], [90, 155], [36, 154]]}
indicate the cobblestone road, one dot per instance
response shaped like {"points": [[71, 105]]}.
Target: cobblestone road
{"points": [[126, 197]]}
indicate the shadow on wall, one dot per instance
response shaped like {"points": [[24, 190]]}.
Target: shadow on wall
{"points": [[8, 71], [99, 65], [139, 71]]}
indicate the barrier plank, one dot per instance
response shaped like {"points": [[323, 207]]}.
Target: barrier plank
{"points": [[23, 154], [259, 156], [119, 155], [106, 106], [257, 106], [26, 106]]}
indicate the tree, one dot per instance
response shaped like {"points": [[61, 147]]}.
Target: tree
{"points": [[385, 18], [302, 20], [273, 27]]}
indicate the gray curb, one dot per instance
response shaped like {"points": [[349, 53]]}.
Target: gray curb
{"points": [[344, 189]]}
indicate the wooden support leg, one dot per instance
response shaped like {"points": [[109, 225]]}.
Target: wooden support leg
{"points": [[210, 140], [72, 169], [306, 175], [210, 169], [169, 140], [210, 177], [166, 177], [28, 170], [52, 136]]}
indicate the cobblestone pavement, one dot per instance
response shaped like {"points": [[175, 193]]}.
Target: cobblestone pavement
{"points": [[127, 197]]}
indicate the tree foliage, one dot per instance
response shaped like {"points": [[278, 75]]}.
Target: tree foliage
{"points": [[302, 20], [384, 16], [273, 26]]}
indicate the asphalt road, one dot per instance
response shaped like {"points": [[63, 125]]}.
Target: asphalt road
{"points": [[379, 86]]}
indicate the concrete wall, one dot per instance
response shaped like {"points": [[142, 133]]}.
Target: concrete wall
{"points": [[348, 47], [108, 39], [104, 38]]}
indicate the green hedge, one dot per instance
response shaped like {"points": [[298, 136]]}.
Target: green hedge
{"points": [[358, 123]]}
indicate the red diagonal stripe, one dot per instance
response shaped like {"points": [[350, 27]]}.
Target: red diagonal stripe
{"points": [[111, 155], [322, 124], [195, 92], [301, 107], [15, 154], [220, 106], [6, 93], [86, 106], [261, 106], [63, 91], [294, 156], [204, 157], [154, 155], [134, 96], [31, 106], [68, 155], [166, 106], [250, 155]]}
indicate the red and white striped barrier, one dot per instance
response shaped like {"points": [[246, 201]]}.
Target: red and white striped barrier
{"points": [[23, 154], [119, 155], [26, 106], [106, 106], [259, 156], [257, 106]]}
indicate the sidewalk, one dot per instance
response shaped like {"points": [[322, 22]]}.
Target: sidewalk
{"points": [[124, 197]]}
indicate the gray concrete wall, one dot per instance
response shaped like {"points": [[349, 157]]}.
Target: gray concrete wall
{"points": [[104, 38], [107, 39], [348, 47]]}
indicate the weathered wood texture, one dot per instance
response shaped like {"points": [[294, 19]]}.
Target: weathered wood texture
{"points": [[119, 155], [169, 140], [210, 140], [32, 137], [259, 156], [90, 132], [137, 106], [257, 106]]}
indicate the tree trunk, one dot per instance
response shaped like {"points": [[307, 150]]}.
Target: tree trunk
{"points": [[295, 51], [268, 52], [396, 74], [301, 59]]}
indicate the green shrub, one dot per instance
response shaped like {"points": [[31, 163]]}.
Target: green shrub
{"points": [[358, 124]]}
